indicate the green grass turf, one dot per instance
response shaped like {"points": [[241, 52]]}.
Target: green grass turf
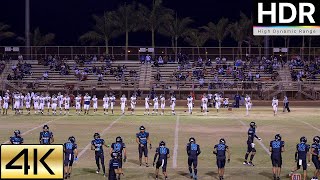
{"points": [[206, 129]]}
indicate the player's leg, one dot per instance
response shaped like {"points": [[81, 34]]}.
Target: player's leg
{"points": [[164, 169], [158, 164], [140, 154], [249, 150], [97, 158], [103, 165], [145, 151], [190, 166], [252, 156], [195, 168]]}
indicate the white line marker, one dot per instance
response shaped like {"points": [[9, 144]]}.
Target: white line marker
{"points": [[176, 144], [261, 144], [103, 133], [310, 125], [37, 127]]}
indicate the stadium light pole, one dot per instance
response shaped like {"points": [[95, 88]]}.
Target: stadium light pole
{"points": [[266, 46], [27, 28]]}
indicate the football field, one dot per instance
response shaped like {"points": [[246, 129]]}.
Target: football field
{"points": [[176, 131]]}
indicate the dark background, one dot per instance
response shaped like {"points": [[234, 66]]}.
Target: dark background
{"points": [[69, 19]]}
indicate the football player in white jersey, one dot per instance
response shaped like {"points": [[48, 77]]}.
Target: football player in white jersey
{"points": [[105, 104], [66, 100], [16, 103], [162, 103], [42, 100], [21, 103], [275, 103], [78, 104], [95, 103], [112, 100], [133, 103], [86, 103], [173, 104], [54, 104], [248, 102], [218, 101], [27, 100], [190, 103], [204, 102], [6, 100], [155, 105], [48, 102], [60, 101], [147, 105], [35, 99], [123, 101]]}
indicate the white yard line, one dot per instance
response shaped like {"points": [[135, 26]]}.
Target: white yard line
{"points": [[176, 143], [37, 127], [102, 133], [260, 143], [312, 126]]}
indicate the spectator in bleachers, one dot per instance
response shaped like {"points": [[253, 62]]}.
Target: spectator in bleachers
{"points": [[160, 60], [45, 75], [148, 58]]}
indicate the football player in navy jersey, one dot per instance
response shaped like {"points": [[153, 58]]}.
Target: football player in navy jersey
{"points": [[16, 138], [114, 169], [315, 147], [46, 136], [142, 139], [193, 151], [97, 146], [301, 156], [120, 148], [250, 144], [220, 151], [70, 155], [161, 159], [276, 148]]}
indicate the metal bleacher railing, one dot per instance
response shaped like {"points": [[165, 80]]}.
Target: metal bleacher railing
{"points": [[134, 52]]}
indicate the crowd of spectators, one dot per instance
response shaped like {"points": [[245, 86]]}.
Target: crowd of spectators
{"points": [[19, 70], [303, 70]]}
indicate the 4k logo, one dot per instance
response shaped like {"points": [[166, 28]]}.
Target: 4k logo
{"points": [[31, 162]]}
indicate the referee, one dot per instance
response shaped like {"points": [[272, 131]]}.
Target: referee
{"points": [[286, 104]]}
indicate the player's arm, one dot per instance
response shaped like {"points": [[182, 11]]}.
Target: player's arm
{"points": [[75, 151], [124, 154], [92, 146], [137, 139], [199, 151], [214, 150], [309, 155], [149, 141], [51, 139], [111, 150], [257, 137], [188, 149], [155, 157], [228, 154], [40, 138]]}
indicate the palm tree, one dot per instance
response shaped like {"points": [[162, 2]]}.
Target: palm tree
{"points": [[4, 31], [237, 32], [103, 30], [218, 31], [248, 29], [175, 28], [196, 38], [152, 19], [126, 19], [38, 39], [258, 41]]}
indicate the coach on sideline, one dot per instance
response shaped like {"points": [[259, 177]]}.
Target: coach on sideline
{"points": [[286, 104]]}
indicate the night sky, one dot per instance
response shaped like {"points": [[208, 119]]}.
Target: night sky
{"points": [[69, 19]]}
